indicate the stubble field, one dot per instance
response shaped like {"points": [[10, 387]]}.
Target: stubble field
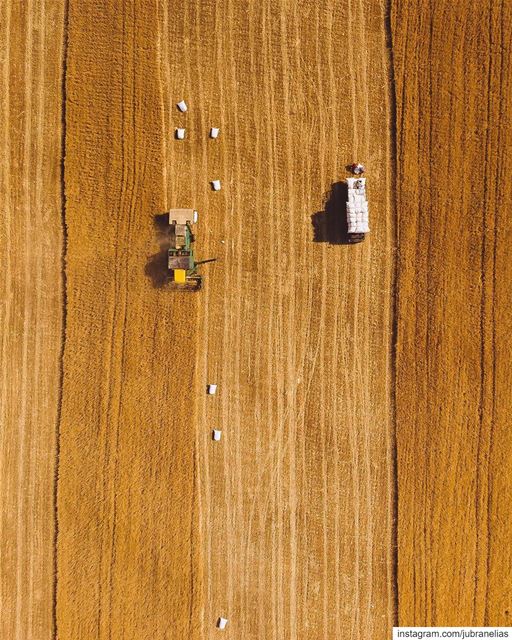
{"points": [[363, 476]]}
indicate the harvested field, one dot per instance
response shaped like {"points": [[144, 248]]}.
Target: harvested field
{"points": [[296, 503], [268, 526], [453, 379], [31, 294], [363, 475], [128, 556]]}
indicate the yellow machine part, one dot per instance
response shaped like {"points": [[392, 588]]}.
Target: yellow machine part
{"points": [[180, 276]]}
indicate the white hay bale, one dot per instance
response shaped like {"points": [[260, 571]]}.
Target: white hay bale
{"points": [[216, 185], [180, 134], [182, 106], [211, 389], [214, 132], [221, 623], [216, 435]]}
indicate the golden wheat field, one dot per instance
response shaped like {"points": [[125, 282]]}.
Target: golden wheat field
{"points": [[364, 475]]}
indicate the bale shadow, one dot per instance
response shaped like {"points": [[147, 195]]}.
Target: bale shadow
{"points": [[330, 225], [156, 267]]}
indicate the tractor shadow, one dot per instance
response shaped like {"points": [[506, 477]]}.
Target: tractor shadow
{"points": [[330, 225], [156, 267]]}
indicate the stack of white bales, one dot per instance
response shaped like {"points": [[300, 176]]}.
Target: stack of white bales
{"points": [[357, 206]]}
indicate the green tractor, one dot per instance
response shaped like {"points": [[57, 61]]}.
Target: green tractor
{"points": [[181, 261]]}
